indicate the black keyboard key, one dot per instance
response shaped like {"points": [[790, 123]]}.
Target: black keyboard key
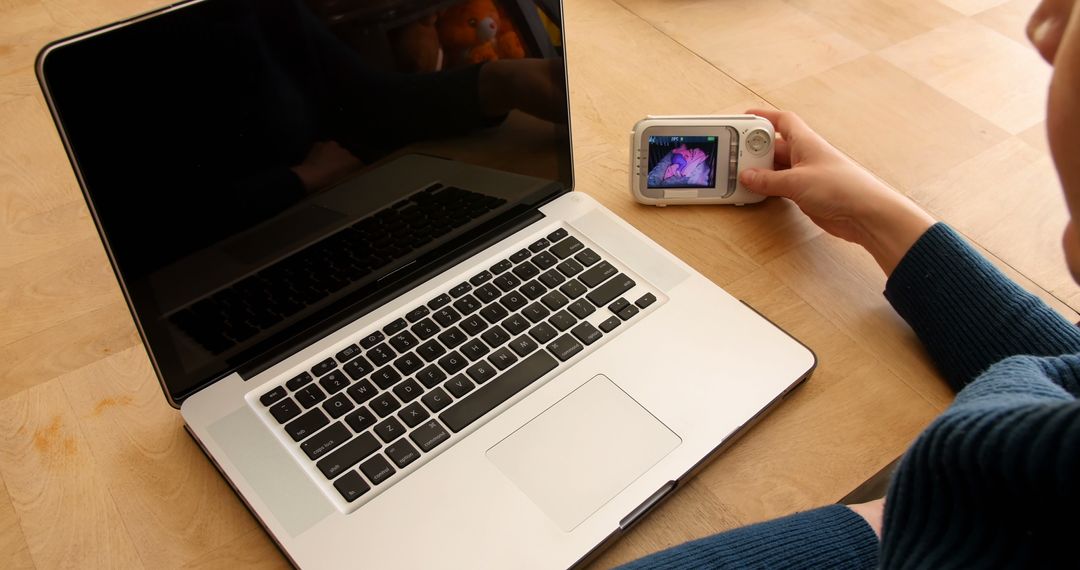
{"points": [[372, 339], [481, 372], [408, 391], [495, 336], [272, 396], [358, 367], [439, 302], [494, 313], [587, 257], [285, 410], [610, 324], [507, 282], [323, 367], [564, 347], [362, 391], [645, 300], [402, 453], [501, 266], [539, 245], [459, 386], [628, 312], [523, 345], [474, 349], [554, 300], [425, 329], [403, 341], [348, 455], [377, 469], [385, 377], [562, 320], [598, 274], [586, 333], [557, 235], [334, 382], [436, 400], [467, 304], [395, 327], [543, 332], [533, 289], [310, 395], [497, 391], [381, 354], [306, 424], [513, 301], [298, 381], [447, 316], [430, 350], [526, 271], [502, 358], [431, 376], [326, 440], [487, 293], [573, 289], [618, 305], [615, 287], [536, 312], [351, 486], [570, 268], [408, 364], [552, 278], [566, 247], [389, 429], [581, 308], [515, 324], [453, 362], [361, 419], [348, 353], [480, 278], [452, 337], [544, 260], [413, 414], [429, 435], [417, 314], [384, 404], [520, 256], [460, 289]]}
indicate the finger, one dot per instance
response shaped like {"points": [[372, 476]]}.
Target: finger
{"points": [[788, 124], [781, 153], [769, 182]]}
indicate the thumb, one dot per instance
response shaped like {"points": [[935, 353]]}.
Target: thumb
{"points": [[768, 182]]}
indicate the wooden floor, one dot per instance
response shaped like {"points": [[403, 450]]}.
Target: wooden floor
{"points": [[942, 99]]}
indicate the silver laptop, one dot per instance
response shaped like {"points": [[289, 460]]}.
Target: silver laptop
{"points": [[358, 266]]}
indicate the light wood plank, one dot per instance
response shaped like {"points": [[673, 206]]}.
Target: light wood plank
{"points": [[12, 542], [1010, 18], [875, 24], [971, 7]]}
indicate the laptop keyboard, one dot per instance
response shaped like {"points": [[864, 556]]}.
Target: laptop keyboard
{"points": [[395, 396]]}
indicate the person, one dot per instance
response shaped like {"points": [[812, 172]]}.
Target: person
{"points": [[995, 480]]}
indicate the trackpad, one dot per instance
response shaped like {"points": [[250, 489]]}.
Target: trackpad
{"points": [[581, 452]]}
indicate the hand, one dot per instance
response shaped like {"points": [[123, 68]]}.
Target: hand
{"points": [[326, 163], [534, 86], [837, 194], [873, 513]]}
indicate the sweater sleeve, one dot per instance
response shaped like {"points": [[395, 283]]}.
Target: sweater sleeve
{"points": [[828, 537], [967, 313]]}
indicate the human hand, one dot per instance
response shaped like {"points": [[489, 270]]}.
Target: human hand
{"points": [[326, 162], [836, 193], [873, 512], [534, 86]]}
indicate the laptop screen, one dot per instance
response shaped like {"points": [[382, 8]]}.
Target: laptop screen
{"points": [[264, 170]]}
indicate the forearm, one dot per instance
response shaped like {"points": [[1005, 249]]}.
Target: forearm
{"points": [[890, 226]]}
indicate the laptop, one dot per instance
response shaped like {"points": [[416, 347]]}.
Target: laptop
{"points": [[351, 245]]}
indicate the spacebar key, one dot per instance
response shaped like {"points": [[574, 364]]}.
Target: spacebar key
{"points": [[497, 391]]}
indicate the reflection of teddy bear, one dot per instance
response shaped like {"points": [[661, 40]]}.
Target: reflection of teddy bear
{"points": [[417, 46], [475, 31]]}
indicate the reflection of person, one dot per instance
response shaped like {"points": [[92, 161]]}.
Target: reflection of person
{"points": [[995, 480]]}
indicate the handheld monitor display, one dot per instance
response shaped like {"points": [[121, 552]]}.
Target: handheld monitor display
{"points": [[683, 161]]}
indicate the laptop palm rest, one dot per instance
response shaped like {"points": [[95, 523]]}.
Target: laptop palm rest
{"points": [[578, 454]]}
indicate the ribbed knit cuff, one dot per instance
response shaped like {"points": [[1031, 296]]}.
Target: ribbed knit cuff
{"points": [[829, 537], [967, 313]]}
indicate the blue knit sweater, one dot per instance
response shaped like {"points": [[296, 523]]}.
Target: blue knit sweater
{"points": [[994, 481]]}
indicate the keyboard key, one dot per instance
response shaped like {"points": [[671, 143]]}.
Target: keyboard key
{"points": [[598, 274], [358, 367], [481, 372], [515, 324], [453, 362], [480, 278], [487, 293], [417, 314], [413, 414], [361, 419], [501, 266], [372, 339], [385, 377], [395, 327], [513, 301], [618, 305], [460, 289], [429, 435], [586, 333], [587, 257], [536, 312], [494, 313], [306, 424], [310, 395], [285, 410], [347, 353], [430, 350], [566, 247], [474, 349], [323, 367], [544, 260], [389, 429], [403, 341], [628, 311], [473, 325], [526, 271], [554, 300], [562, 320], [497, 391], [452, 337], [298, 381], [431, 376], [467, 304], [570, 268], [539, 245], [533, 289], [384, 404], [362, 391], [459, 386], [447, 316], [616, 286], [408, 391], [425, 329], [581, 308], [523, 345], [377, 469], [436, 400], [351, 486], [348, 455], [552, 278], [502, 358], [520, 256], [439, 302], [326, 440], [402, 453], [408, 364], [543, 332], [337, 406], [334, 382], [645, 300], [273, 396], [610, 324], [507, 282], [573, 289], [557, 235], [495, 336], [564, 347], [381, 354]]}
